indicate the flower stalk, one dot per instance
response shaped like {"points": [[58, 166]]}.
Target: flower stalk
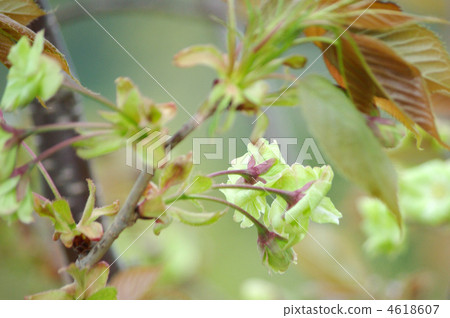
{"points": [[260, 227], [44, 172]]}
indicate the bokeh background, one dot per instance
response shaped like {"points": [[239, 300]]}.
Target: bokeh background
{"points": [[219, 261]]}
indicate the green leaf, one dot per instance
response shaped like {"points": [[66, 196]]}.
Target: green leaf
{"points": [[13, 31], [8, 154], [90, 203], [60, 215], [99, 145], [207, 55], [62, 212], [326, 212], [262, 122], [345, 138], [295, 61], [196, 218], [91, 280], [8, 202], [199, 185], [108, 210], [89, 283], [107, 293], [128, 98], [50, 295], [12, 205], [31, 75], [87, 225], [25, 210]]}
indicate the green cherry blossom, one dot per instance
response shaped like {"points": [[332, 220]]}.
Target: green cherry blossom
{"points": [[425, 192], [381, 228], [258, 156]]}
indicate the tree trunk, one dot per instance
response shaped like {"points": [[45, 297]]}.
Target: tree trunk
{"points": [[68, 171]]}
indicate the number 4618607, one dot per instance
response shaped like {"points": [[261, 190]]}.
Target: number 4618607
{"points": [[413, 309]]}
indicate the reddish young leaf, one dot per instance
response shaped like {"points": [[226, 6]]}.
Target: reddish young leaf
{"points": [[441, 102], [135, 283], [347, 68], [423, 49], [402, 82], [23, 11], [370, 15], [373, 73], [379, 15]]}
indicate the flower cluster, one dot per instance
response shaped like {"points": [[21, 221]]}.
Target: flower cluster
{"points": [[243, 72], [297, 195]]}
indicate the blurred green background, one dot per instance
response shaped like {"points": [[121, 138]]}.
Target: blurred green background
{"points": [[219, 261]]}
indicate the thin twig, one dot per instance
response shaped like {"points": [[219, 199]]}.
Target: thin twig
{"points": [[63, 126], [44, 172], [68, 142], [127, 215]]}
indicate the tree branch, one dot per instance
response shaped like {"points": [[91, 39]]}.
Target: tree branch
{"points": [[127, 215]]}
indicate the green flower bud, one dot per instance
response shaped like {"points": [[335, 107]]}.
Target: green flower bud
{"points": [[425, 192], [290, 215], [263, 165], [276, 254]]}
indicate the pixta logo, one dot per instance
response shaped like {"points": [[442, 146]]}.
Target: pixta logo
{"points": [[145, 150], [308, 151]]}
